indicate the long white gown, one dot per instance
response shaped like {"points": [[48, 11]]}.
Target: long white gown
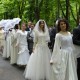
{"points": [[64, 67], [39, 67], [7, 45], [23, 54], [14, 50], [2, 38]]}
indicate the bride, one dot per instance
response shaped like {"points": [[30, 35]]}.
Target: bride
{"points": [[38, 67], [63, 57]]}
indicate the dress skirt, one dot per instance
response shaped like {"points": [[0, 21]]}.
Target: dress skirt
{"points": [[39, 67], [23, 55], [65, 67]]}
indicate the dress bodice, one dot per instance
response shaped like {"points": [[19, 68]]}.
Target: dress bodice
{"points": [[66, 41], [41, 38], [23, 38]]}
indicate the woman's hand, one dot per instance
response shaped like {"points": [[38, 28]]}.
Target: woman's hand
{"points": [[51, 62], [33, 50], [16, 45]]}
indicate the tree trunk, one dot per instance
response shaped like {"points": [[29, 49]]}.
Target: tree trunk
{"points": [[67, 9], [77, 14], [58, 9], [37, 11], [63, 14]]}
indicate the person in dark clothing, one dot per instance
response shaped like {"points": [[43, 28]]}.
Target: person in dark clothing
{"points": [[30, 38], [29, 26], [76, 41], [52, 33]]}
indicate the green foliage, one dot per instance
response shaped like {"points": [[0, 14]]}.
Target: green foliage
{"points": [[33, 10]]}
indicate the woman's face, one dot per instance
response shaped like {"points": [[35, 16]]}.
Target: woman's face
{"points": [[23, 27], [63, 26], [42, 24]]}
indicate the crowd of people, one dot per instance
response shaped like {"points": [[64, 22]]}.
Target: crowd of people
{"points": [[46, 53]]}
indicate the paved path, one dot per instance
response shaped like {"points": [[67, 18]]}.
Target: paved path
{"points": [[9, 72]]}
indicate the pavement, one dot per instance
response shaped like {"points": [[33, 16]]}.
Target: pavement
{"points": [[10, 72]]}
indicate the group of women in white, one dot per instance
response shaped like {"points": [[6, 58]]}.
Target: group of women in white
{"points": [[42, 64], [15, 43]]}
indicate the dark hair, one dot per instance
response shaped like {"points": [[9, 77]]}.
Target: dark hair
{"points": [[40, 24], [20, 23], [65, 21], [10, 30], [16, 26]]}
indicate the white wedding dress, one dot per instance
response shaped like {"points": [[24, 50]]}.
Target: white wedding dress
{"points": [[23, 54], [2, 39], [7, 45], [14, 50], [63, 58], [38, 67]]}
